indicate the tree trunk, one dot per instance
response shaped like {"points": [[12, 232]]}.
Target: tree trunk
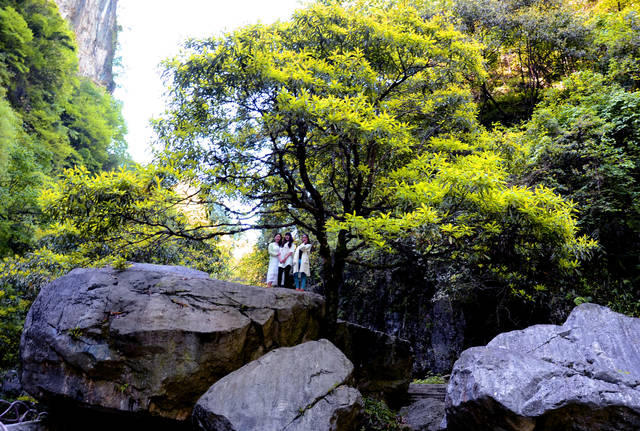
{"points": [[333, 264], [331, 289]]}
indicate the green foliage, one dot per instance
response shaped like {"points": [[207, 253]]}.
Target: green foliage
{"points": [[378, 417], [95, 128], [49, 118], [608, 6], [76, 333], [20, 282], [431, 379], [134, 214], [617, 34], [40, 70], [15, 37], [527, 46], [10, 129], [20, 179], [245, 93], [585, 144], [252, 267], [454, 204]]}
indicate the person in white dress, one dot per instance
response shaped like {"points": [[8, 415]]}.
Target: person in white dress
{"points": [[286, 262], [301, 267], [274, 260]]}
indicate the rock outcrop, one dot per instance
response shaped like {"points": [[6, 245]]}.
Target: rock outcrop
{"points": [[383, 363], [152, 339], [299, 388], [583, 375], [94, 23], [399, 303], [424, 415]]}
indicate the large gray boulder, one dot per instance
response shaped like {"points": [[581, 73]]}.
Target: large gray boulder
{"points": [[583, 375], [152, 339], [301, 388], [383, 363]]}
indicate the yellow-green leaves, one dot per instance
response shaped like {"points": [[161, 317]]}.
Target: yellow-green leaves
{"points": [[356, 119], [135, 214], [15, 36], [457, 201], [344, 92]]}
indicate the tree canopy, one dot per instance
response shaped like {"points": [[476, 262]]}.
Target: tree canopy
{"points": [[584, 142], [527, 45], [355, 122]]}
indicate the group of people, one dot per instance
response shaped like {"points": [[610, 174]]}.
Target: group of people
{"points": [[288, 263]]}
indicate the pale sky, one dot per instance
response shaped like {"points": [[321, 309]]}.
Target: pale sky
{"points": [[152, 30]]}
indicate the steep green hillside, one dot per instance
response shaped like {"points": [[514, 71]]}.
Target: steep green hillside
{"points": [[52, 119]]}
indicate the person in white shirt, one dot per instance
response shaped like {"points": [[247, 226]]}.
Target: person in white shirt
{"points": [[286, 262], [301, 267], [274, 260]]}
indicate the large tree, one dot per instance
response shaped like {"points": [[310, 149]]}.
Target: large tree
{"points": [[305, 119]]}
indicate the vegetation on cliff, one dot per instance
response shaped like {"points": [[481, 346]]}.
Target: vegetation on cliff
{"points": [[52, 119]]}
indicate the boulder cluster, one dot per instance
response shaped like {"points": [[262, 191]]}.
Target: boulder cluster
{"points": [[171, 347], [159, 347]]}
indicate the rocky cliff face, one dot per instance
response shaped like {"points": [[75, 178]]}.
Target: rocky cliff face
{"points": [[94, 22], [402, 303]]}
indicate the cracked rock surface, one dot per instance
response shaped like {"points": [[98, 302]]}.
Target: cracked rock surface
{"points": [[152, 339], [301, 388], [583, 375]]}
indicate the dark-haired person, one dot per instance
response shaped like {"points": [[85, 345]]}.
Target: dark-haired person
{"points": [[274, 260], [286, 261], [301, 267]]}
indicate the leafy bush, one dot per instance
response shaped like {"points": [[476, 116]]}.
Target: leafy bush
{"points": [[431, 379], [20, 282], [378, 417], [136, 214]]}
